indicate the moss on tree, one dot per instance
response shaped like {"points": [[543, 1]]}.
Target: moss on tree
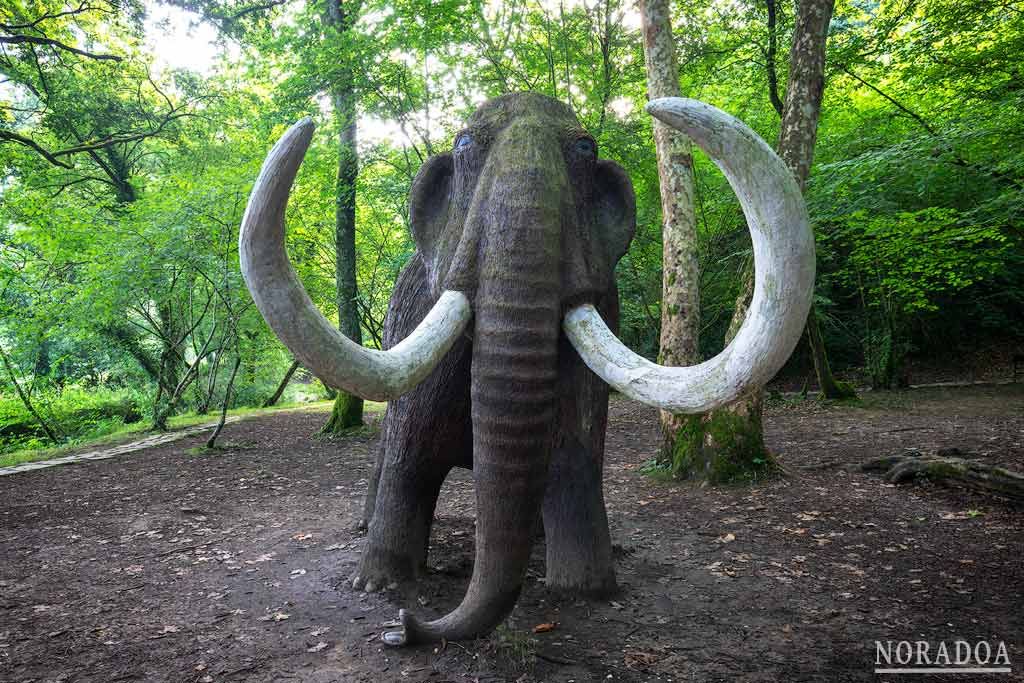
{"points": [[346, 415], [721, 447]]}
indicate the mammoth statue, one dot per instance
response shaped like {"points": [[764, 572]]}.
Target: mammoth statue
{"points": [[500, 343]]}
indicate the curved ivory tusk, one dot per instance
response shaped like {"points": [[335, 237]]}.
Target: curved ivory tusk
{"points": [[783, 270], [287, 308]]}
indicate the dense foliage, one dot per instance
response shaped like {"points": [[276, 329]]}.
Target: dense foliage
{"points": [[124, 183]]}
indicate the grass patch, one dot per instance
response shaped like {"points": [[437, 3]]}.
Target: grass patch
{"points": [[657, 470], [517, 646], [119, 433]]}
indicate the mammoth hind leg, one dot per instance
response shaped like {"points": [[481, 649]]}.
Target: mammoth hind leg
{"points": [[424, 434], [398, 535]]}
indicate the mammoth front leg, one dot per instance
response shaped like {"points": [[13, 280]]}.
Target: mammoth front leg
{"points": [[579, 547], [425, 433]]}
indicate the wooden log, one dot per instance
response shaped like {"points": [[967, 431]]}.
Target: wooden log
{"points": [[946, 468]]}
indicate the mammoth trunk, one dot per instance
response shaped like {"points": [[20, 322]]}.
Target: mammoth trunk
{"points": [[514, 372]]}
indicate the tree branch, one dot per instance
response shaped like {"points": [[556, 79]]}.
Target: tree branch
{"points": [[50, 42], [32, 144], [957, 159], [257, 8], [892, 100], [91, 147]]}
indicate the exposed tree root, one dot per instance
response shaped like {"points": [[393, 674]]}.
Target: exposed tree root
{"points": [[947, 466]]}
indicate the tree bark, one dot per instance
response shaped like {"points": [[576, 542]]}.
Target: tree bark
{"points": [[276, 396], [348, 409], [680, 300], [172, 363], [728, 443], [802, 110], [163, 410], [798, 134], [830, 386], [770, 58]]}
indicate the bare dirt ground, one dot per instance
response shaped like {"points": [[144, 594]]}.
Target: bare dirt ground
{"points": [[231, 566]]}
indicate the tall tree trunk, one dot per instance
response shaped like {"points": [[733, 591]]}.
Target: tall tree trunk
{"points": [[729, 446], [830, 386], [348, 409], [680, 298], [732, 437], [806, 86], [798, 134], [172, 364]]}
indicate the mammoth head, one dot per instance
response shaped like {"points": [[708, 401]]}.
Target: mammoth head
{"points": [[531, 149]]}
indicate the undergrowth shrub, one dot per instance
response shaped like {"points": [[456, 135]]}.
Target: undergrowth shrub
{"points": [[74, 412]]}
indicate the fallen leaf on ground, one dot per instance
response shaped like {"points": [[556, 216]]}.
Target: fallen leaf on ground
{"points": [[638, 659], [545, 627], [276, 616], [265, 557]]}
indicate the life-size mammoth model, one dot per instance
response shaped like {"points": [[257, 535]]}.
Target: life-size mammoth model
{"points": [[500, 327]]}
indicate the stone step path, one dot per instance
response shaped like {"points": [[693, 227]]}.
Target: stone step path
{"points": [[113, 451]]}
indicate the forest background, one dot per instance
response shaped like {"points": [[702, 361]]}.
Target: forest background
{"points": [[125, 177]]}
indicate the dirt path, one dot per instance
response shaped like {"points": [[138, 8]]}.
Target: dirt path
{"points": [[232, 566], [113, 451]]}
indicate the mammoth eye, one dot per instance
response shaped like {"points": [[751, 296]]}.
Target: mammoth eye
{"points": [[586, 147], [463, 141]]}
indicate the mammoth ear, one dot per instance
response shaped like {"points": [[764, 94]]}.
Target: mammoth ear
{"points": [[429, 200], [614, 209]]}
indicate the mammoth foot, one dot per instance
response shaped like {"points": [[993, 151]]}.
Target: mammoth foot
{"points": [[383, 570], [373, 584]]}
